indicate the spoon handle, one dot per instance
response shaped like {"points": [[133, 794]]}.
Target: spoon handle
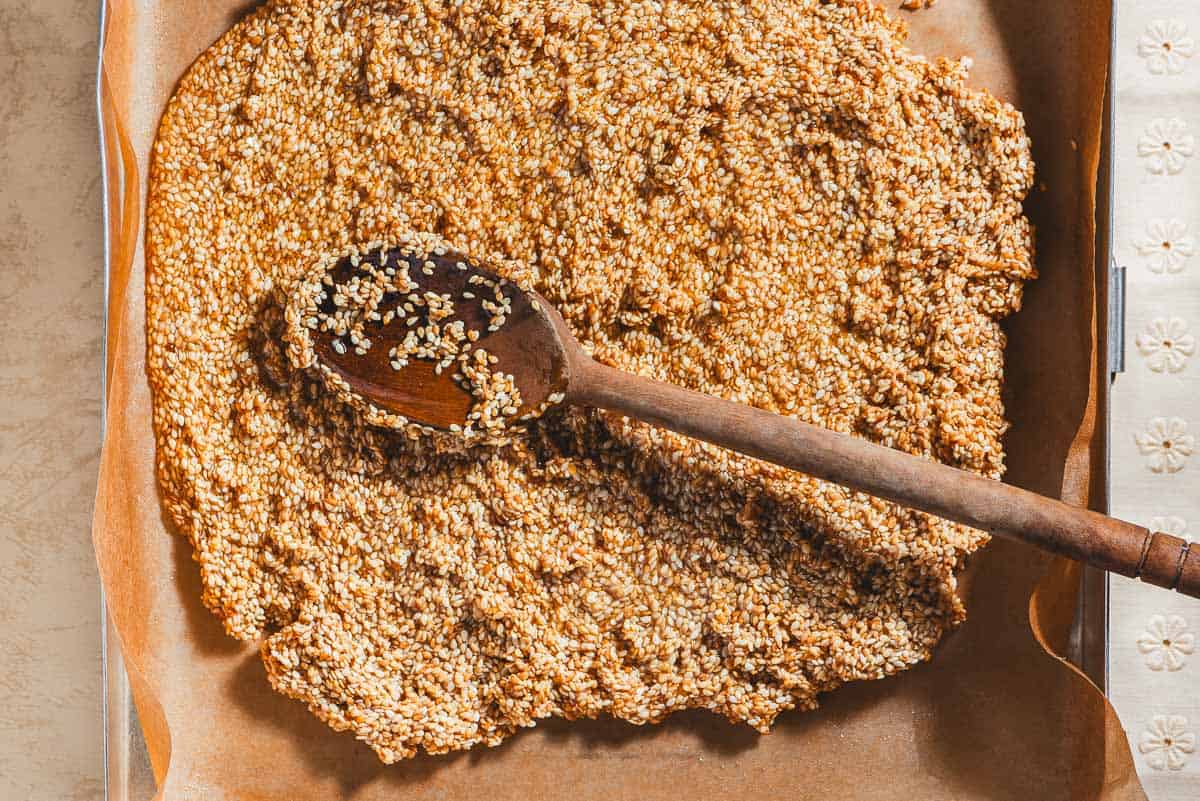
{"points": [[913, 481]]}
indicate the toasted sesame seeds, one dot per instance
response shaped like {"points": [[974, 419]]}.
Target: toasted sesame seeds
{"points": [[845, 232]]}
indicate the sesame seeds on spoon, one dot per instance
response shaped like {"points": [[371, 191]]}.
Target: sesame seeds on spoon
{"points": [[422, 339]]}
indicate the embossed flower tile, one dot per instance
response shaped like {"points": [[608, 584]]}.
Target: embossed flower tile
{"points": [[1154, 667]]}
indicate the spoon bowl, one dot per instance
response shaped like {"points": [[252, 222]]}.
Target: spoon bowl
{"points": [[533, 344]]}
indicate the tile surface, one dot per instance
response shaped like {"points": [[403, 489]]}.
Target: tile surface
{"points": [[1154, 669]]}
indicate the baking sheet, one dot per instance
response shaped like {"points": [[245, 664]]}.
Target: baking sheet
{"points": [[994, 716]]}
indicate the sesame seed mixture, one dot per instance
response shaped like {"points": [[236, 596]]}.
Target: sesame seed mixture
{"points": [[772, 202]]}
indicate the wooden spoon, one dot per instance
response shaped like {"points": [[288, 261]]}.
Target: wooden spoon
{"points": [[535, 346]]}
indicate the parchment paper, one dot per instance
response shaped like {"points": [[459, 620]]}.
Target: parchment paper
{"points": [[994, 715]]}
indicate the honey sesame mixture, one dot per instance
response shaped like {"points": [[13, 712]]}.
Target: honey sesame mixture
{"points": [[772, 202]]}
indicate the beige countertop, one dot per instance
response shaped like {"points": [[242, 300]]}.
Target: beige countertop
{"points": [[51, 302]]}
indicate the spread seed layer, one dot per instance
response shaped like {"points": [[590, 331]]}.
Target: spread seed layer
{"points": [[772, 202]]}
